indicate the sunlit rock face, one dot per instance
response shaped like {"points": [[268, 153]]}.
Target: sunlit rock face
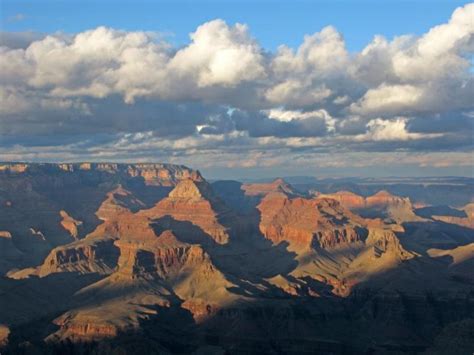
{"points": [[307, 222], [382, 204], [195, 202]]}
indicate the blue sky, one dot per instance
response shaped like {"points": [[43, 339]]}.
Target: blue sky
{"points": [[272, 22], [358, 88]]}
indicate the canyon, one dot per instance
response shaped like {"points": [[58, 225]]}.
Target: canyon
{"points": [[154, 258]]}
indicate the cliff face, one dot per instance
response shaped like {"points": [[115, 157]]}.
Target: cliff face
{"points": [[307, 223], [382, 204], [162, 257], [262, 189], [84, 257], [152, 173], [135, 235], [348, 199], [118, 202], [398, 209], [152, 271], [163, 174], [194, 202]]}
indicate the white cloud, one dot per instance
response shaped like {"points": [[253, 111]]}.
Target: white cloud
{"points": [[341, 100], [388, 98], [391, 130], [304, 77], [297, 92], [288, 115], [437, 54], [321, 53], [220, 55]]}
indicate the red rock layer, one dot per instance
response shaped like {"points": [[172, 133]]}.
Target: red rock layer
{"points": [[83, 256], [162, 174], [153, 174], [353, 201], [87, 330], [347, 199], [384, 198], [162, 257], [135, 234], [395, 208], [118, 202], [278, 185], [306, 223], [194, 202]]}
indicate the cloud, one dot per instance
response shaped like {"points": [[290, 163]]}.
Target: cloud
{"points": [[288, 116], [222, 93], [436, 54], [305, 77], [390, 99], [220, 55], [103, 62], [15, 40], [392, 130]]}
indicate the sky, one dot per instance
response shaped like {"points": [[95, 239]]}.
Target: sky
{"points": [[241, 88]]}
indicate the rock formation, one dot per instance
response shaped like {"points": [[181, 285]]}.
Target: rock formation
{"points": [[307, 223], [194, 202], [262, 189], [382, 204], [70, 224], [47, 205], [118, 202], [147, 257], [467, 221]]}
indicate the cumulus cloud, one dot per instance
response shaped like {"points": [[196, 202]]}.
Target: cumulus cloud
{"points": [[288, 116], [391, 130], [223, 93], [220, 55], [390, 99]]}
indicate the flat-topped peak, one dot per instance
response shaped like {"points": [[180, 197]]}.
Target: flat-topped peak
{"points": [[383, 193], [190, 189], [346, 193], [260, 189], [383, 196]]}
